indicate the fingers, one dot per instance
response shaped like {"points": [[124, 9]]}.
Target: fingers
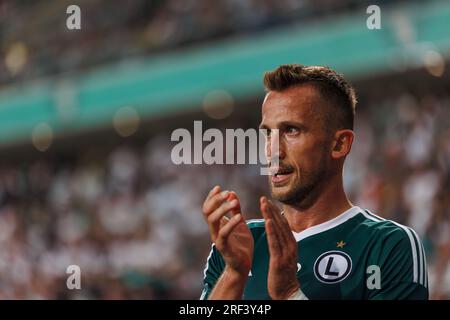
{"points": [[280, 220], [226, 230], [214, 200], [275, 237], [212, 192], [233, 196], [269, 211], [217, 204], [273, 240], [217, 218], [279, 227], [222, 210], [272, 212]]}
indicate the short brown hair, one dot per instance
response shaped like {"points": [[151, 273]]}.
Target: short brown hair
{"points": [[331, 85]]}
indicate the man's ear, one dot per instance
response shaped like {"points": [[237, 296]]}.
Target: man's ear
{"points": [[342, 143]]}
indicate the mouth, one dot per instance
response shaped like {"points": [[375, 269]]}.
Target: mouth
{"points": [[280, 175]]}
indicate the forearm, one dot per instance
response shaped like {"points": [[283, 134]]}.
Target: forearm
{"points": [[230, 286]]}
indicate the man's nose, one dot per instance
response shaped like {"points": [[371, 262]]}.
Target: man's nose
{"points": [[275, 147]]}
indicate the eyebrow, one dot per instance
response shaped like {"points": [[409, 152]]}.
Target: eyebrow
{"points": [[284, 124]]}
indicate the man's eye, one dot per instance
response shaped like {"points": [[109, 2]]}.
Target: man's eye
{"points": [[291, 130]]}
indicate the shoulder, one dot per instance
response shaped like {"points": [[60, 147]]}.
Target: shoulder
{"points": [[397, 244], [397, 247], [388, 230]]}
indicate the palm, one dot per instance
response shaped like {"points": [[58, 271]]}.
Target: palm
{"points": [[239, 247], [279, 277]]}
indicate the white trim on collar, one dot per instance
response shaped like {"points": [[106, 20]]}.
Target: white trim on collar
{"points": [[327, 225]]}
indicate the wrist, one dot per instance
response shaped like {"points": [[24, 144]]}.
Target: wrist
{"points": [[298, 295], [230, 285], [286, 293], [236, 276]]}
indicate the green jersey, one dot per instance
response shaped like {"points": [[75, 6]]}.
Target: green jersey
{"points": [[356, 255]]}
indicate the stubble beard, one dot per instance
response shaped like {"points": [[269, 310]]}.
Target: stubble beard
{"points": [[304, 189]]}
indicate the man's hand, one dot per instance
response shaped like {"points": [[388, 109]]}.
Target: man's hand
{"points": [[232, 236], [282, 278]]}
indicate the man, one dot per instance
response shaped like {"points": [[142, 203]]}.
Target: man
{"points": [[319, 245]]}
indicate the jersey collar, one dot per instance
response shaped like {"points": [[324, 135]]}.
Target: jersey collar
{"points": [[327, 225]]}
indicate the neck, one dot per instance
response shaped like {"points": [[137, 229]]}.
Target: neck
{"points": [[331, 202]]}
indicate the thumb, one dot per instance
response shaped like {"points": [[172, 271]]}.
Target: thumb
{"points": [[233, 196]]}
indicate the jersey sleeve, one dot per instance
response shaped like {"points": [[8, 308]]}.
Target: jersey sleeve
{"points": [[402, 266], [213, 270]]}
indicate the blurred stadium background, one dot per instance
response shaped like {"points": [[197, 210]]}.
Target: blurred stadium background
{"points": [[86, 117]]}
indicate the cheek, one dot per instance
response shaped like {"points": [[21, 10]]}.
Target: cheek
{"points": [[305, 155], [299, 150]]}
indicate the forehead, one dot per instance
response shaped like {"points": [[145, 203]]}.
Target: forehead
{"points": [[298, 103]]}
